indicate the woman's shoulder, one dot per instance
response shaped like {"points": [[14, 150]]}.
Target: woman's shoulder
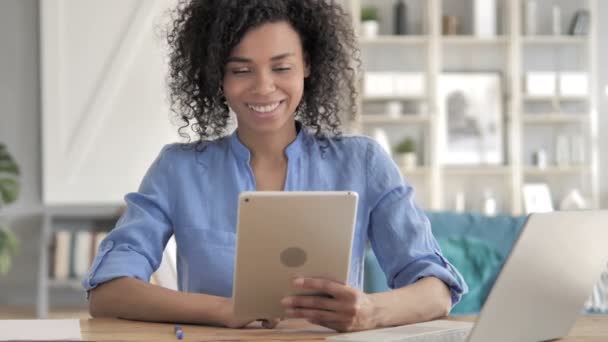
{"points": [[192, 151], [354, 144], [358, 151]]}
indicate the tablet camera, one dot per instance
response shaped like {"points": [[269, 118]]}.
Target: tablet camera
{"points": [[293, 257]]}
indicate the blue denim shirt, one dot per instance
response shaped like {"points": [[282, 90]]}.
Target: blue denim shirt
{"points": [[194, 195]]}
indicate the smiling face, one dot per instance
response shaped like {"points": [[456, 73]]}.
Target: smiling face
{"points": [[264, 78]]}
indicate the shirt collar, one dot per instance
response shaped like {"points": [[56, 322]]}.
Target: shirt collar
{"points": [[292, 151]]}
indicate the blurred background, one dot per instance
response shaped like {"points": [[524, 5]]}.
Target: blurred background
{"points": [[495, 108]]}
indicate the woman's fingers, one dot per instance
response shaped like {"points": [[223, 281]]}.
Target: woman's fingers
{"points": [[316, 315], [349, 309], [333, 312], [312, 302], [270, 323], [336, 290]]}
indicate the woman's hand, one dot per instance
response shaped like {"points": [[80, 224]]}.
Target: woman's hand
{"points": [[230, 321], [348, 309]]}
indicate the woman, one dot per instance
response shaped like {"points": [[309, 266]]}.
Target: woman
{"points": [[283, 68]]}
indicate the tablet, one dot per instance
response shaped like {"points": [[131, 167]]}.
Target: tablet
{"points": [[283, 235]]}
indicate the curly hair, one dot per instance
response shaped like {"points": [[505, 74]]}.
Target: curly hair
{"points": [[204, 32]]}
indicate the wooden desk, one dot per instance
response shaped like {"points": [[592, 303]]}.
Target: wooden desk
{"points": [[587, 328]]}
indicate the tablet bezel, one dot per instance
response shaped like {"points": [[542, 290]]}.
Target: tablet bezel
{"points": [[284, 220]]}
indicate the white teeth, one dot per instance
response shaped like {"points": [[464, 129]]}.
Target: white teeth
{"points": [[265, 109]]}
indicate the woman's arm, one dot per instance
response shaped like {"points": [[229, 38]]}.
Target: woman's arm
{"points": [[427, 299], [131, 298], [350, 309], [133, 251]]}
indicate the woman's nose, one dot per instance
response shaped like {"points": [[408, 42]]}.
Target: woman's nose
{"points": [[264, 84]]}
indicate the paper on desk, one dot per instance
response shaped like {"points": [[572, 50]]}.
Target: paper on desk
{"points": [[40, 330]]}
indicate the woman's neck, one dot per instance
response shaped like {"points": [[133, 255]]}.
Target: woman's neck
{"points": [[268, 147]]}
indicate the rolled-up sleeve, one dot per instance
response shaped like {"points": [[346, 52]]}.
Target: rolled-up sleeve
{"points": [[400, 233], [134, 247]]}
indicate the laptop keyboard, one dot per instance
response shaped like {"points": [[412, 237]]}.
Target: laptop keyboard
{"points": [[451, 336], [437, 331]]}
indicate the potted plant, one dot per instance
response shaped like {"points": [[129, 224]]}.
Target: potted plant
{"points": [[369, 21], [9, 191], [405, 154]]}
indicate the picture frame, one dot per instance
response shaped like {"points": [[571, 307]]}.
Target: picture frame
{"points": [[472, 105], [537, 198]]}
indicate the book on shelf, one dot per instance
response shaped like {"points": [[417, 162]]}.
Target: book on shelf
{"points": [[72, 253], [82, 252], [61, 255]]}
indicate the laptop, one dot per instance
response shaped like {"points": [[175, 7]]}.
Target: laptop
{"points": [[283, 235], [538, 294]]}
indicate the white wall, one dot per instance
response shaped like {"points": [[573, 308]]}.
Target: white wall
{"points": [[20, 130], [19, 91], [603, 99], [102, 90]]}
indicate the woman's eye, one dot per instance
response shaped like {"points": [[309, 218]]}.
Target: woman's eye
{"points": [[282, 69], [240, 71]]}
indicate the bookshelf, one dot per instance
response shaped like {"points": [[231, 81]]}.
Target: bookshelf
{"points": [[530, 122], [413, 119], [70, 219], [395, 40]]}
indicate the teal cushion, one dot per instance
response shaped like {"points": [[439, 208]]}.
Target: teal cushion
{"points": [[374, 279], [478, 263], [498, 232], [475, 244]]}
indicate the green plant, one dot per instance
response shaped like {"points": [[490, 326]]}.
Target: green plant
{"points": [[9, 246], [9, 192], [369, 13], [407, 145]]}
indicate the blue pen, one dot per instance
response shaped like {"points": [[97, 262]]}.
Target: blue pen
{"points": [[179, 333]]}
